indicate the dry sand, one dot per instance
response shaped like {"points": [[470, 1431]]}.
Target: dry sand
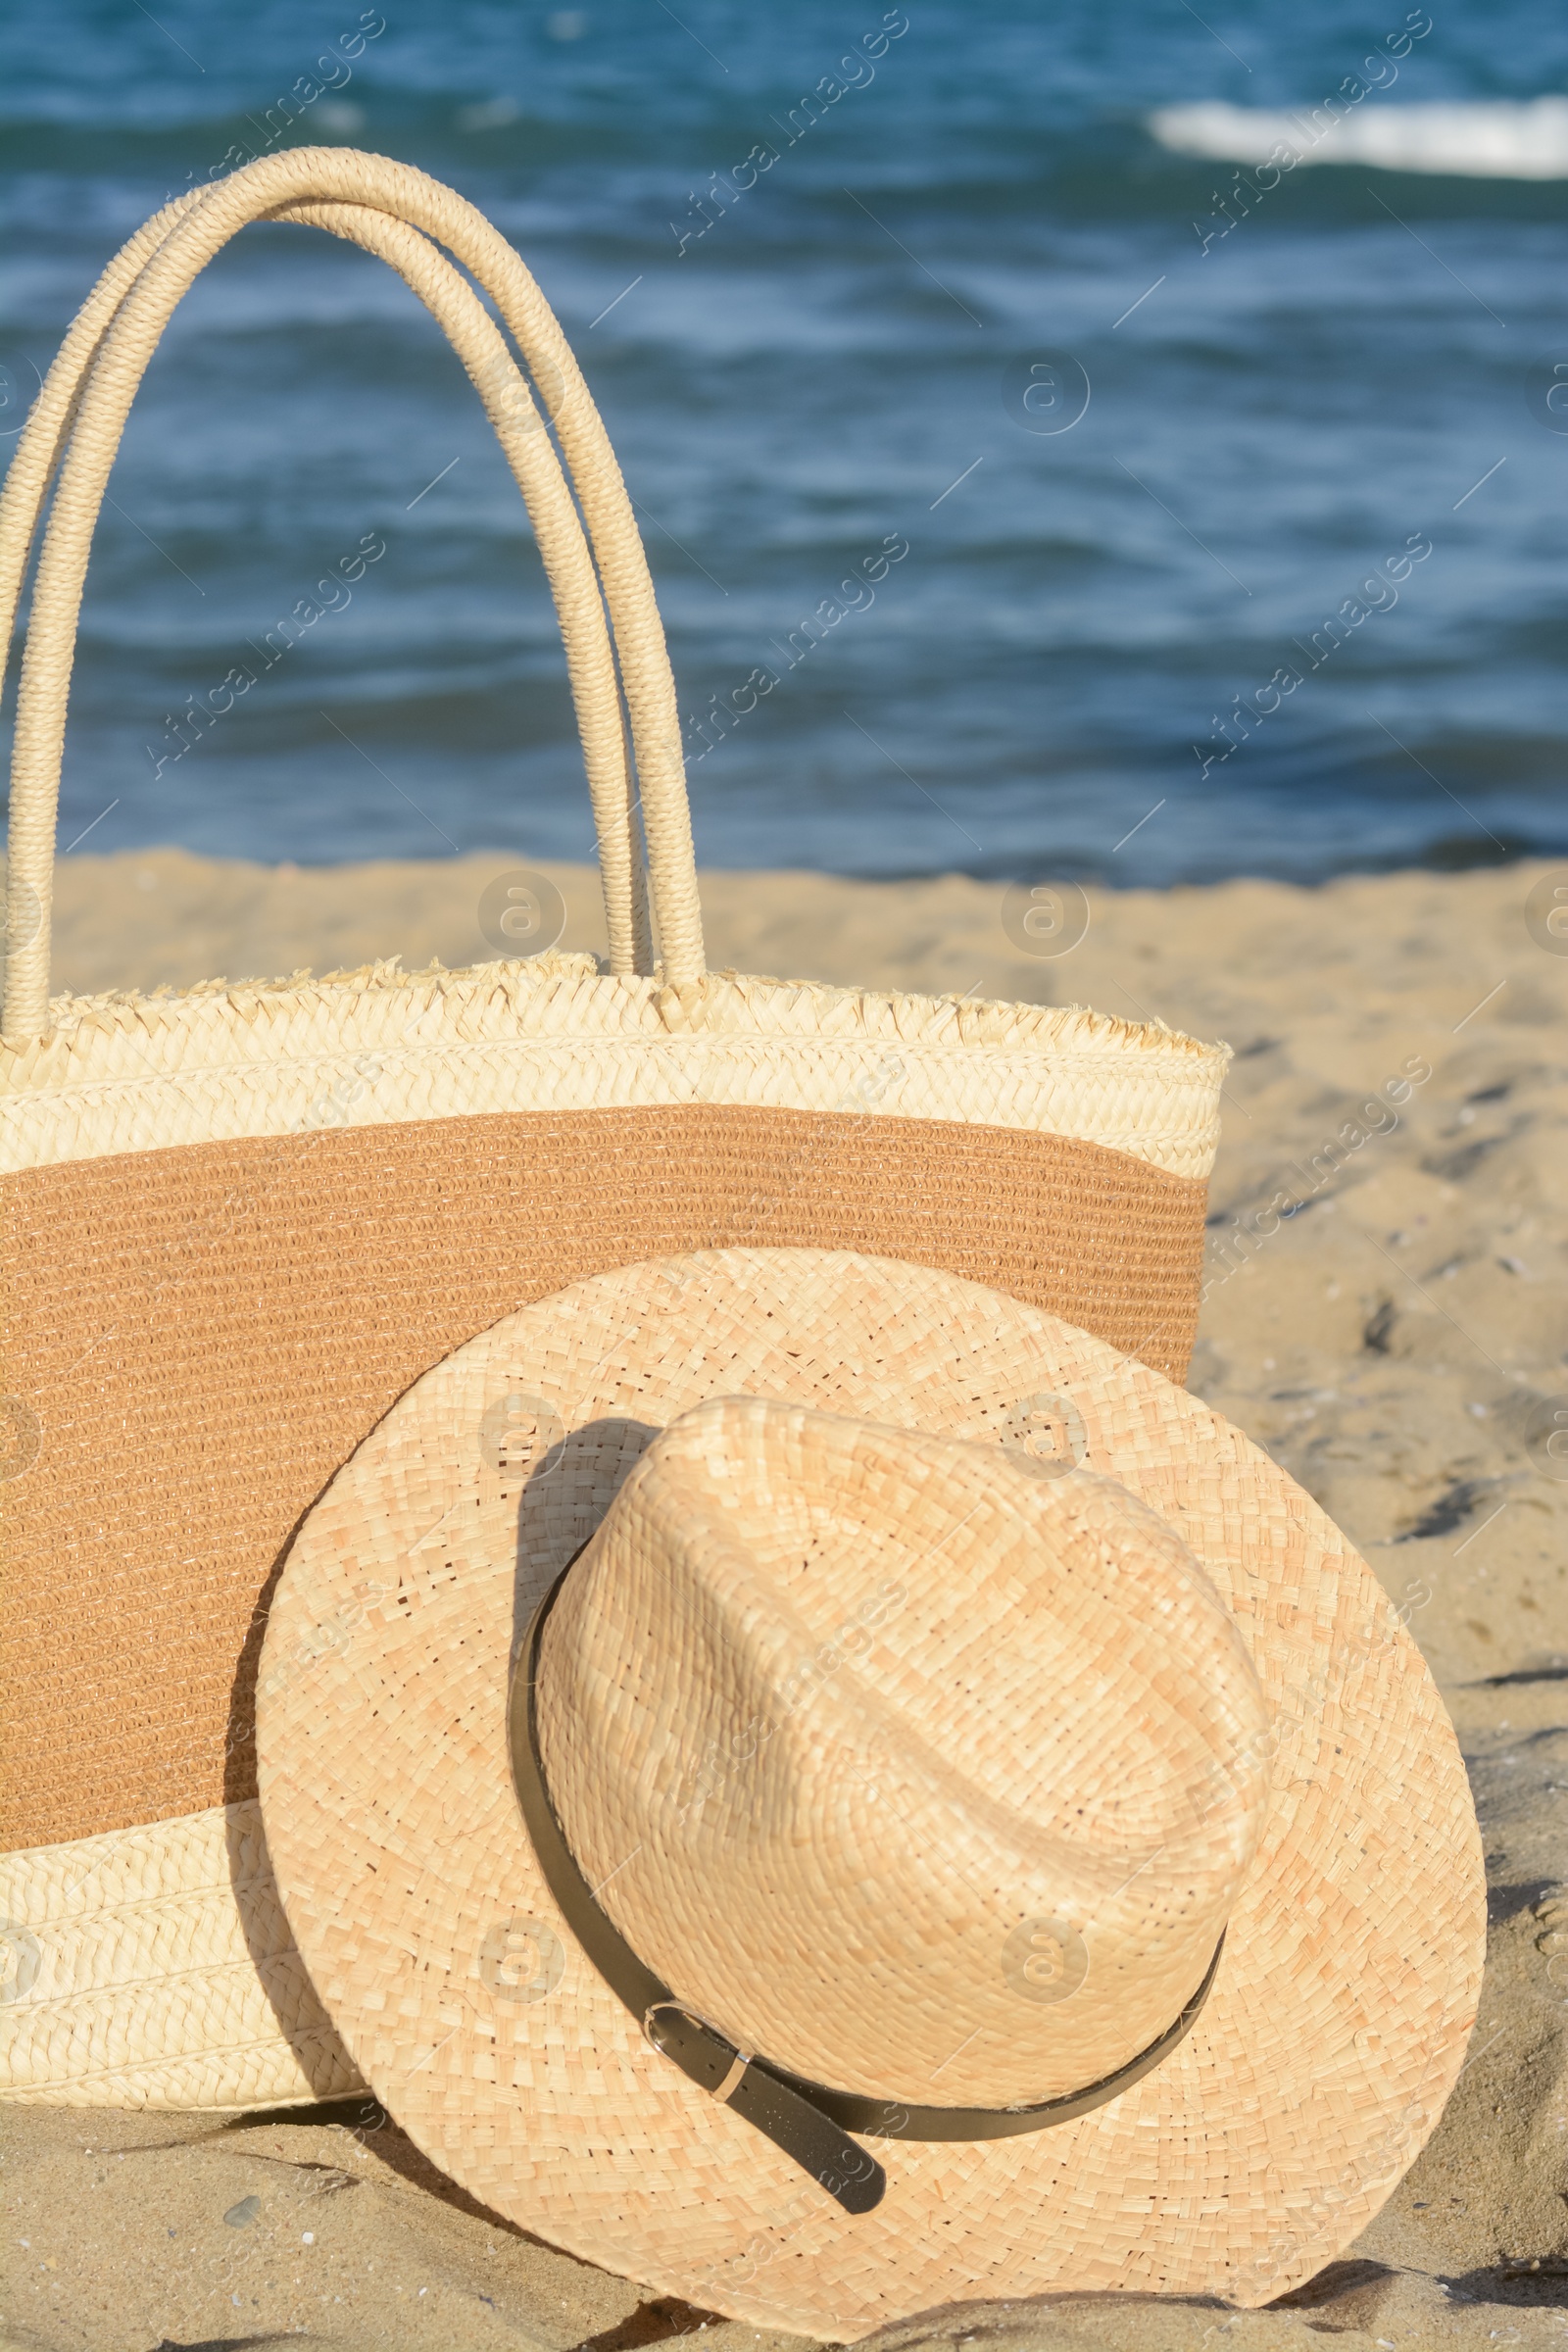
{"points": [[1391, 1344]]}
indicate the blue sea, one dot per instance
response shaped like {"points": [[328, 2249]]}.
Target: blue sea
{"points": [[1125, 439]]}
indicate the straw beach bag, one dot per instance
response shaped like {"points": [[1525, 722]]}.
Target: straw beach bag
{"points": [[242, 1221]]}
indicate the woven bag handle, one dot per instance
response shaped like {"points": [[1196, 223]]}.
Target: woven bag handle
{"points": [[156, 268], [568, 566]]}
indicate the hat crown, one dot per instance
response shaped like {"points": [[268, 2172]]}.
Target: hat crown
{"points": [[919, 1773]]}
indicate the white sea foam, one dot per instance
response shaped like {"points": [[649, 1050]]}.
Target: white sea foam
{"points": [[1487, 141]]}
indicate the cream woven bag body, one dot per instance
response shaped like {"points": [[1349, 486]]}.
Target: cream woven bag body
{"points": [[242, 1221]]}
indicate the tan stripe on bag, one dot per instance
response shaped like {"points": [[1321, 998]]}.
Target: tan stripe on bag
{"points": [[206, 1333]]}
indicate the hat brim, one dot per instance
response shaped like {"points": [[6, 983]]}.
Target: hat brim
{"points": [[1254, 2154]]}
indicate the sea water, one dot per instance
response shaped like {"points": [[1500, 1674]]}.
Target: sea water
{"points": [[1107, 439]]}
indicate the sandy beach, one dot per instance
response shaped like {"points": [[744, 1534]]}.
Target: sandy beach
{"points": [[1386, 1310]]}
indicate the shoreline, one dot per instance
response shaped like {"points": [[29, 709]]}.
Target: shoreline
{"points": [[166, 917]]}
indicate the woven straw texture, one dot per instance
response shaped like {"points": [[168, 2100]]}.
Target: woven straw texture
{"points": [[154, 1969], [240, 1221], [866, 1943], [1240, 2164], [250, 1316], [136, 1075]]}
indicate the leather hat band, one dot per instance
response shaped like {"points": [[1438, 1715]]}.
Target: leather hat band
{"points": [[810, 2122]]}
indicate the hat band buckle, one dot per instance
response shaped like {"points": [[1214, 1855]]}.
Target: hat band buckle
{"points": [[739, 2060]]}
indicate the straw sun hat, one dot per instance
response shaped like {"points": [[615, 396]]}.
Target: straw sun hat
{"points": [[830, 1791]]}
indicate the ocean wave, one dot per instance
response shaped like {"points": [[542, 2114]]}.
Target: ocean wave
{"points": [[1488, 139]]}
